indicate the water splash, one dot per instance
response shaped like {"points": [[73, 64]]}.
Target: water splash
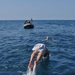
{"points": [[30, 72]]}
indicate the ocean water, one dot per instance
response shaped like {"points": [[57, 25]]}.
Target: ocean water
{"points": [[16, 45]]}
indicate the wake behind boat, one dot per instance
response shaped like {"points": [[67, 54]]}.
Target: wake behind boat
{"points": [[28, 24]]}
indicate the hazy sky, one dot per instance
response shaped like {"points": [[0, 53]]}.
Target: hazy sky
{"points": [[37, 9]]}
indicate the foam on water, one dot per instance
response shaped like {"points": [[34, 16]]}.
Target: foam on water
{"points": [[30, 72]]}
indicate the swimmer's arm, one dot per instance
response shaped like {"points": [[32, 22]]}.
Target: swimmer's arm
{"points": [[32, 56]]}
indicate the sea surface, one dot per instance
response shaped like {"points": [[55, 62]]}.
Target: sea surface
{"points": [[16, 45]]}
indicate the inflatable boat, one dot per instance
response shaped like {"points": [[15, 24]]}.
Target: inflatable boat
{"points": [[28, 26]]}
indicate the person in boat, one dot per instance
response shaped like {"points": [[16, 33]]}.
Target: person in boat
{"points": [[31, 21], [28, 22], [41, 51]]}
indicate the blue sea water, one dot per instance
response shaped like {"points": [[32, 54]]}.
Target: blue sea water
{"points": [[16, 45]]}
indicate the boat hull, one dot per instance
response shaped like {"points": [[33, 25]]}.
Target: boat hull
{"points": [[28, 26]]}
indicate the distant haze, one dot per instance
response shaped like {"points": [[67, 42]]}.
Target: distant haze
{"points": [[37, 9]]}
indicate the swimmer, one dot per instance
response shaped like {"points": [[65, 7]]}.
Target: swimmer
{"points": [[47, 38], [41, 51]]}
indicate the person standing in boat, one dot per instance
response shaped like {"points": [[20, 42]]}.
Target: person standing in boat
{"points": [[31, 21]]}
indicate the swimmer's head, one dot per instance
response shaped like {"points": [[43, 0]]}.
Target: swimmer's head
{"points": [[47, 38]]}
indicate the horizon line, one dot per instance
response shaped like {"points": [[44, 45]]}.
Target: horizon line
{"points": [[38, 19]]}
